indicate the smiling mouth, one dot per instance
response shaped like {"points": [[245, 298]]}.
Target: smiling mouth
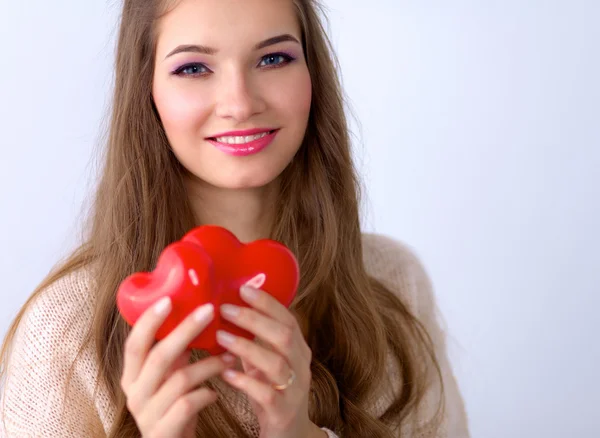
{"points": [[241, 139], [240, 146]]}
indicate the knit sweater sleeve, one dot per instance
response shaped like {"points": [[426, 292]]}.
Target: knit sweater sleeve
{"points": [[398, 268], [36, 400]]}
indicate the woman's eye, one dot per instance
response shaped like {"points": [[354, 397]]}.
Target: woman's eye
{"points": [[195, 69], [275, 60]]}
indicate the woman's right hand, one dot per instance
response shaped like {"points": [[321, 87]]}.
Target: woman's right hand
{"points": [[160, 385]]}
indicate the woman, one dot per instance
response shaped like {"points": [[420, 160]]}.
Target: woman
{"points": [[230, 113]]}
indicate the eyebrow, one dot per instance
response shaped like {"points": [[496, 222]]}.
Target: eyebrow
{"points": [[195, 48]]}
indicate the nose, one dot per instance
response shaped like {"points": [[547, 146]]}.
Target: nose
{"points": [[237, 98]]}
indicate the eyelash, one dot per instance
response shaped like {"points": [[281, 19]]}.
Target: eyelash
{"points": [[180, 71]]}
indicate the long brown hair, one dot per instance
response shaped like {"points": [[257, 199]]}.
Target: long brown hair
{"points": [[141, 206]]}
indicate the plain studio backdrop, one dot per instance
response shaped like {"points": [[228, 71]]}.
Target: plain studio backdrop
{"points": [[477, 132]]}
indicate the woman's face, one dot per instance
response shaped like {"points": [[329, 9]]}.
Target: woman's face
{"points": [[232, 88]]}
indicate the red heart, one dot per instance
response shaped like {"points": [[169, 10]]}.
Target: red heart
{"points": [[208, 265]]}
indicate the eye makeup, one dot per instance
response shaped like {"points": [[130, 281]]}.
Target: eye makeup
{"points": [[194, 69], [199, 69]]}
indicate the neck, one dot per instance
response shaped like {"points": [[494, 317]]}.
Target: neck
{"points": [[247, 213]]}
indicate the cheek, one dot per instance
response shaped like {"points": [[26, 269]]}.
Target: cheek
{"points": [[181, 110], [291, 95], [304, 97], [300, 97]]}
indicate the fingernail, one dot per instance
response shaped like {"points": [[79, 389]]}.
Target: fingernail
{"points": [[162, 306], [248, 293], [256, 281], [229, 374], [230, 310], [225, 338], [228, 358], [204, 313]]}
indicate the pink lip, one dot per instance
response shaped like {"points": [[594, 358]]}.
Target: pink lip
{"points": [[245, 149], [242, 132]]}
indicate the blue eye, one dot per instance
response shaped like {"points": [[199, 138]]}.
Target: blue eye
{"points": [[275, 60], [193, 69], [196, 69]]}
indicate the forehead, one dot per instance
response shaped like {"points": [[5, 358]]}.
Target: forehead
{"points": [[226, 24]]}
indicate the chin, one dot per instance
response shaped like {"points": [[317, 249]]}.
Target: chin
{"points": [[243, 181]]}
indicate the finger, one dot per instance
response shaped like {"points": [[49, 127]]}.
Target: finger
{"points": [[141, 338], [272, 364], [267, 304], [184, 381], [246, 366], [258, 375], [288, 341], [262, 393], [256, 281], [180, 362], [164, 353], [185, 408]]}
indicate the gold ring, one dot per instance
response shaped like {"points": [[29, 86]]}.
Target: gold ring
{"points": [[286, 384]]}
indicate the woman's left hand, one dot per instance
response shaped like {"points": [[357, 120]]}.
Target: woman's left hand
{"points": [[277, 373]]}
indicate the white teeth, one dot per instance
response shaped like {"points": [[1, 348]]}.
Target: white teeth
{"points": [[241, 140]]}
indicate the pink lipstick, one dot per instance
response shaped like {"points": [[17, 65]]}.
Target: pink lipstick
{"points": [[243, 143]]}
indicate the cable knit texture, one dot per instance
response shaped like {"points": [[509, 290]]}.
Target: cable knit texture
{"points": [[34, 402]]}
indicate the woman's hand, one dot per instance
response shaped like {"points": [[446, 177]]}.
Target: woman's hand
{"points": [[161, 387], [281, 359]]}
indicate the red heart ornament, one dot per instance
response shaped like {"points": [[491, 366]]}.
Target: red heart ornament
{"points": [[209, 265]]}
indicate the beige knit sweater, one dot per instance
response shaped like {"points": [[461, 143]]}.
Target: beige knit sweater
{"points": [[51, 332]]}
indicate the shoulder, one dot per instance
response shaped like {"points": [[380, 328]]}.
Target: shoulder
{"points": [[57, 319], [385, 255], [50, 376], [65, 305], [399, 268]]}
